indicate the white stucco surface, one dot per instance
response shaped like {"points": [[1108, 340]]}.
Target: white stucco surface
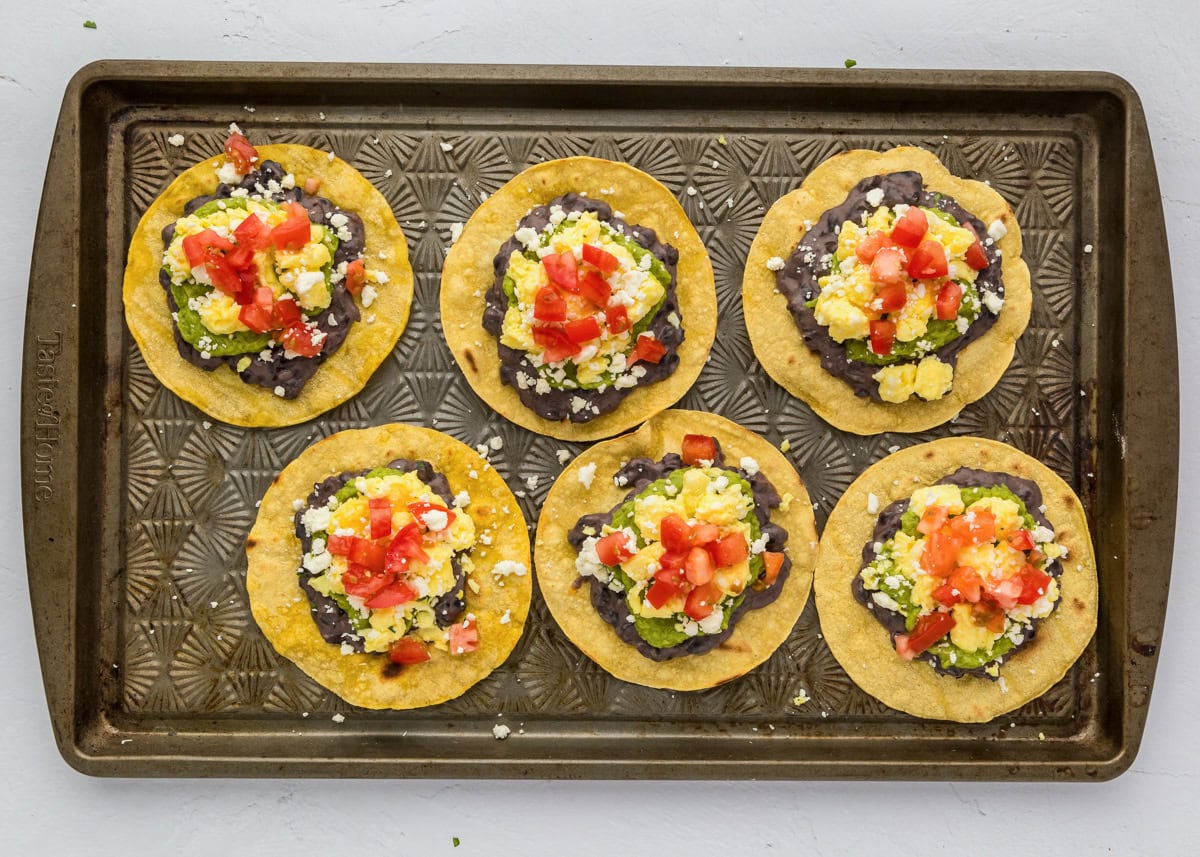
{"points": [[47, 808]]}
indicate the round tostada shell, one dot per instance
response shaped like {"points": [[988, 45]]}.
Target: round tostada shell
{"points": [[221, 393], [864, 647], [283, 613], [777, 340], [757, 634], [468, 273]]}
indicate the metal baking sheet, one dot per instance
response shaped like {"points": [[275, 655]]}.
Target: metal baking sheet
{"points": [[137, 505]]}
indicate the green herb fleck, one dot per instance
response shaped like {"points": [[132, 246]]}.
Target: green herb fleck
{"points": [[91, 25], [454, 839], [851, 63]]}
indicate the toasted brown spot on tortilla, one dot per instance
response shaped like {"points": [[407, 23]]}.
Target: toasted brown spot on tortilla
{"points": [[391, 670], [469, 355]]}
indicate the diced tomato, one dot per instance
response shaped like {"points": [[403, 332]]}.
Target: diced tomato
{"points": [[1022, 540], [698, 447], [932, 520], [202, 246], [647, 348], [910, 227], [406, 650], [1034, 584], [974, 528], [582, 330], [600, 258], [356, 277], [240, 153], [1005, 592], [248, 282], [772, 563], [968, 583], [363, 582], [866, 249], [549, 305], [255, 318], [949, 299], [595, 288], [381, 517], [405, 545], [883, 336], [947, 594], [939, 554], [701, 601], [1036, 557], [929, 629], [674, 533], [617, 319], [563, 270], [975, 256], [888, 266], [302, 339], [614, 548], [703, 534], [312, 184], [661, 592], [294, 232], [260, 315], [729, 550], [555, 344], [889, 298], [464, 637], [670, 566], [240, 258], [371, 555], [698, 566], [396, 592], [285, 313], [419, 508], [340, 545], [928, 261], [253, 233]]}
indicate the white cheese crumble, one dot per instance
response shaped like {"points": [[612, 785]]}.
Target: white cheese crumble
{"points": [[587, 473], [875, 197], [997, 230], [455, 232], [872, 504], [446, 147], [338, 718], [368, 296], [228, 173], [563, 456], [177, 140], [279, 391], [775, 263], [749, 465], [499, 731], [506, 567], [993, 302], [436, 520]]}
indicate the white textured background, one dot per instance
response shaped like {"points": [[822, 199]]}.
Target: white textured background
{"points": [[46, 808]]}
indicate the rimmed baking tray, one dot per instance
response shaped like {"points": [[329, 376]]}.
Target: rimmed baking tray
{"points": [[137, 505]]}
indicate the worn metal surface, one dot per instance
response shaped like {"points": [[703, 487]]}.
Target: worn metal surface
{"points": [[152, 662]]}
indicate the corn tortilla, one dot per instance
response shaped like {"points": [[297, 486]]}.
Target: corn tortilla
{"points": [[221, 393], [468, 273], [777, 340], [282, 611], [863, 646], [758, 632]]}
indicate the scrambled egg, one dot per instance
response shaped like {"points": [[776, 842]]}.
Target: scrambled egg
{"points": [[930, 379], [949, 497], [967, 635], [1006, 512], [633, 287]]}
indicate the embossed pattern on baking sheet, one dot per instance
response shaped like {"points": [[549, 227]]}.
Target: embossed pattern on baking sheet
{"points": [[190, 646]]}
